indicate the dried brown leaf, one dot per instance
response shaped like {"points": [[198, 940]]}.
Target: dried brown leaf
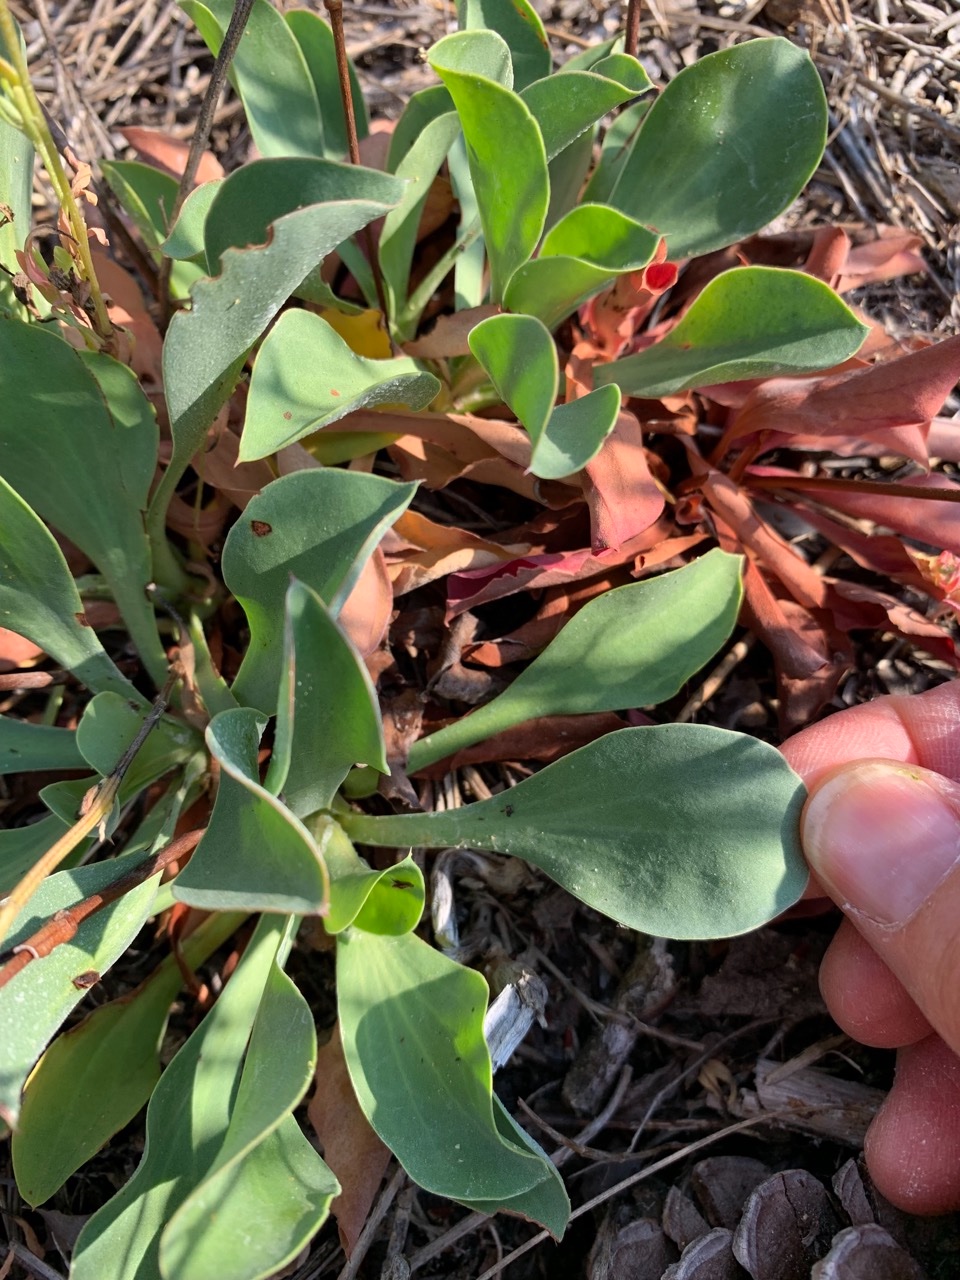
{"points": [[350, 1147]]}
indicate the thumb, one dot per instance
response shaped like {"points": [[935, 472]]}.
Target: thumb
{"points": [[884, 840]]}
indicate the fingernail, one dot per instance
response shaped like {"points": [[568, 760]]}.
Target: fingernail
{"points": [[881, 838]]}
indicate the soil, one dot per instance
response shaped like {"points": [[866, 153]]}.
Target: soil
{"points": [[653, 1060]]}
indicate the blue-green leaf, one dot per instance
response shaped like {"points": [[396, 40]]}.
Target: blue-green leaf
{"points": [[751, 322], [306, 376], [255, 855], [320, 526], [412, 1027], [679, 830]]}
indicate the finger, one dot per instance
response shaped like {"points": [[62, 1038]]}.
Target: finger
{"points": [[864, 998], [892, 728], [913, 1144], [921, 729], [884, 840]]}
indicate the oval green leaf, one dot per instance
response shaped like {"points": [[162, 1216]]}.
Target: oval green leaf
{"points": [[94, 1078], [320, 526], [567, 104], [730, 142], [187, 1122], [39, 599], [682, 831], [587, 250], [511, 182], [37, 1000], [387, 902], [419, 166], [521, 28], [315, 39], [271, 76], [306, 376], [255, 855], [751, 322], [328, 716], [634, 646], [92, 433], [205, 347], [412, 1027], [520, 357], [268, 1191]]}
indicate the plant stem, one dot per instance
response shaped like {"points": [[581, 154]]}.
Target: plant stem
{"points": [[33, 123], [631, 35], [335, 9], [64, 925], [201, 134], [94, 812], [417, 301], [887, 487]]}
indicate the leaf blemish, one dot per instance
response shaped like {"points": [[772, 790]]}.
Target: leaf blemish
{"points": [[287, 416], [334, 393], [260, 528], [82, 619]]}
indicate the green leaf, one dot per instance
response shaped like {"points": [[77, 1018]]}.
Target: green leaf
{"points": [[511, 182], [422, 108], [582, 254], [568, 173], [39, 599], [521, 359], [206, 346], [268, 1191], [521, 28], [385, 902], [252, 1218], [185, 241], [634, 646], [683, 831], [730, 142], [255, 855], [412, 1028], [87, 462], [569, 103], [20, 847], [618, 139], [467, 255], [328, 716], [93, 1079], [270, 75], [320, 526], [210, 683], [35, 1002], [315, 39], [146, 194], [751, 322], [26, 747], [574, 434], [108, 727], [257, 195], [187, 1123], [306, 376], [418, 167]]}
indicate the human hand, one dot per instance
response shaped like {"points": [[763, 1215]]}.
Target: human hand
{"points": [[881, 831]]}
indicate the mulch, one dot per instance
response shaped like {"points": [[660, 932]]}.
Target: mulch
{"points": [[648, 1049]]}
